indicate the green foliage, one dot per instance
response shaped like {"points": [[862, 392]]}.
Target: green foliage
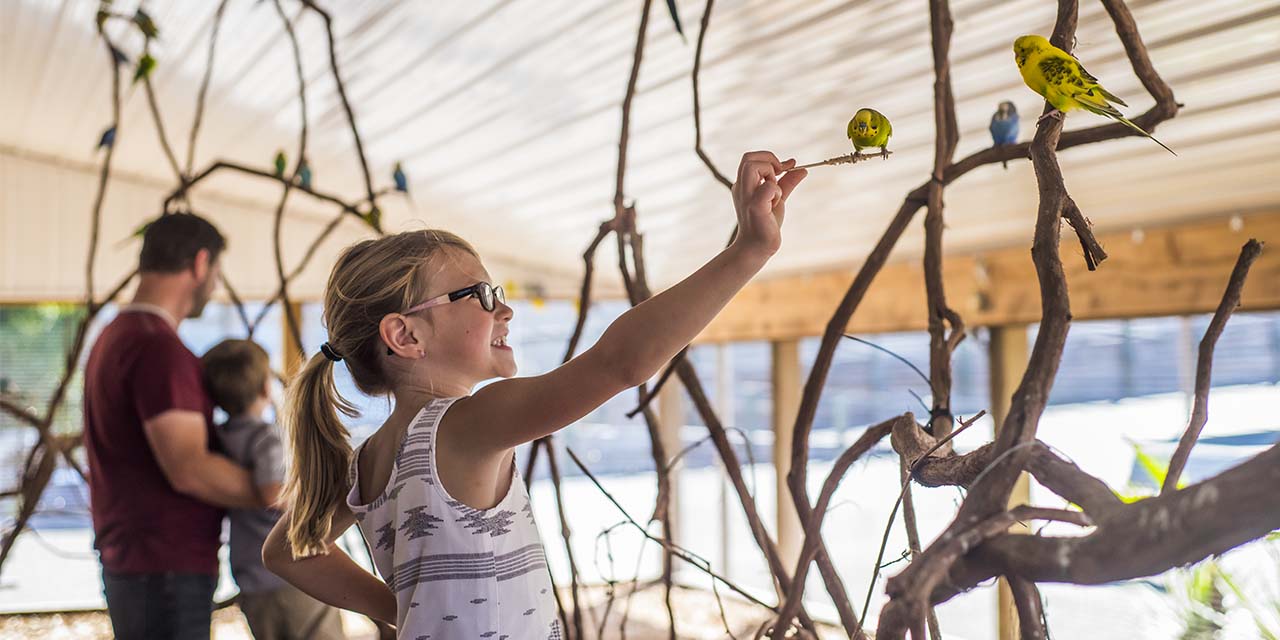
{"points": [[1266, 615], [1156, 469], [1203, 594], [34, 340], [1203, 610]]}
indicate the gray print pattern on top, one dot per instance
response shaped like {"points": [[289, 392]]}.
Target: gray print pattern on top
{"points": [[459, 566], [458, 573], [414, 459], [495, 525], [386, 536], [418, 523]]}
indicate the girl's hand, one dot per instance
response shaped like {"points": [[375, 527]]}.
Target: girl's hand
{"points": [[760, 198]]}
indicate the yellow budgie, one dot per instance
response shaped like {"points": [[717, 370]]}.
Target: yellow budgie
{"points": [[1064, 83], [869, 128]]}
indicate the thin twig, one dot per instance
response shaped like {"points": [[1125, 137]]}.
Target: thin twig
{"points": [[906, 484], [647, 398], [700, 563], [850, 158], [567, 535], [149, 90], [899, 357], [1204, 367], [697, 104], [237, 303], [198, 118], [291, 320], [346, 104]]}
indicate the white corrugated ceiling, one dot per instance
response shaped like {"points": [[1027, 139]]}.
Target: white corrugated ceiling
{"points": [[505, 115]]}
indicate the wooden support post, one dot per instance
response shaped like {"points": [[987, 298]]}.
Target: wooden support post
{"points": [[725, 407], [1008, 361], [293, 354], [671, 421], [786, 403]]}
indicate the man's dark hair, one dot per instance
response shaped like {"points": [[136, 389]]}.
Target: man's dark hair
{"points": [[172, 241]]}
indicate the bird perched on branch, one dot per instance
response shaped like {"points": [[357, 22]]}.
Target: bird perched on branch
{"points": [[145, 24], [108, 138], [146, 64], [280, 163], [402, 182], [1064, 83], [1004, 126], [304, 174], [869, 128]]}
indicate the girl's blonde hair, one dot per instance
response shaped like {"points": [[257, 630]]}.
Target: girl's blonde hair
{"points": [[370, 280]]}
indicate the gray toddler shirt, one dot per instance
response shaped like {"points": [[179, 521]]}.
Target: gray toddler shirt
{"points": [[254, 445]]}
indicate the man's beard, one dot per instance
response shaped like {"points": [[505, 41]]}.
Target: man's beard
{"points": [[200, 299]]}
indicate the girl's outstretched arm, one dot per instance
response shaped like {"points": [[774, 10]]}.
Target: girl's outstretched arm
{"points": [[642, 340], [334, 579]]}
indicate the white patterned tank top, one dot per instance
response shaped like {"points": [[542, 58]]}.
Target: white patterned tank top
{"points": [[457, 572]]}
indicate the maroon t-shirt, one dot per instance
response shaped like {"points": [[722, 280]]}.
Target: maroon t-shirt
{"points": [[137, 370]]}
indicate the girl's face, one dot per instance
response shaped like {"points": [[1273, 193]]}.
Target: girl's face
{"points": [[463, 343]]}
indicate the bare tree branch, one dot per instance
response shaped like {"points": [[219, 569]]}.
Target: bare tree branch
{"points": [[1204, 367]]}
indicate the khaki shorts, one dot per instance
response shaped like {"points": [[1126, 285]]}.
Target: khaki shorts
{"points": [[287, 613]]}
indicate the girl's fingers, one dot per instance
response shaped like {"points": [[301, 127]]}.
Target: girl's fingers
{"points": [[790, 180], [767, 194], [755, 172], [753, 157]]}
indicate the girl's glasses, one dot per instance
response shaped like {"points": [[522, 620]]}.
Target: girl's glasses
{"points": [[488, 295]]}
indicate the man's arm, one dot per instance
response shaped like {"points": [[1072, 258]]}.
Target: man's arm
{"points": [[181, 445]]}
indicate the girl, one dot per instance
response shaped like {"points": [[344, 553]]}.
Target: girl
{"points": [[435, 490]]}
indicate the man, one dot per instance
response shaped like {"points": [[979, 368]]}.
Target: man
{"points": [[157, 491]]}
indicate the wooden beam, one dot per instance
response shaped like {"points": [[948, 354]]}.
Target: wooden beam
{"points": [[787, 381], [1160, 271], [670, 422], [1008, 355]]}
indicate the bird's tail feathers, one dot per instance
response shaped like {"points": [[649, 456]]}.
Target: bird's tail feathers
{"points": [[1100, 107], [1126, 122], [1111, 96]]}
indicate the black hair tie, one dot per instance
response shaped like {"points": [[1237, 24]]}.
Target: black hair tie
{"points": [[330, 353]]}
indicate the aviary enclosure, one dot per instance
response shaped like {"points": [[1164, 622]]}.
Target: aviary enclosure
{"points": [[1119, 539]]}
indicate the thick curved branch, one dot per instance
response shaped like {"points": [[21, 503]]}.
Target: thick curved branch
{"points": [[946, 137], [910, 590], [1026, 599], [990, 493], [1141, 538]]}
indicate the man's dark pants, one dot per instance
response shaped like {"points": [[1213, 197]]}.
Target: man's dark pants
{"points": [[162, 606]]}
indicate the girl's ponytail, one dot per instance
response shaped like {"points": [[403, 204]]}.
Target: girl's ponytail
{"points": [[317, 479]]}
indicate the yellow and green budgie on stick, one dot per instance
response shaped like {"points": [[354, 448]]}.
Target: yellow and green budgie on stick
{"points": [[869, 128], [1064, 83]]}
